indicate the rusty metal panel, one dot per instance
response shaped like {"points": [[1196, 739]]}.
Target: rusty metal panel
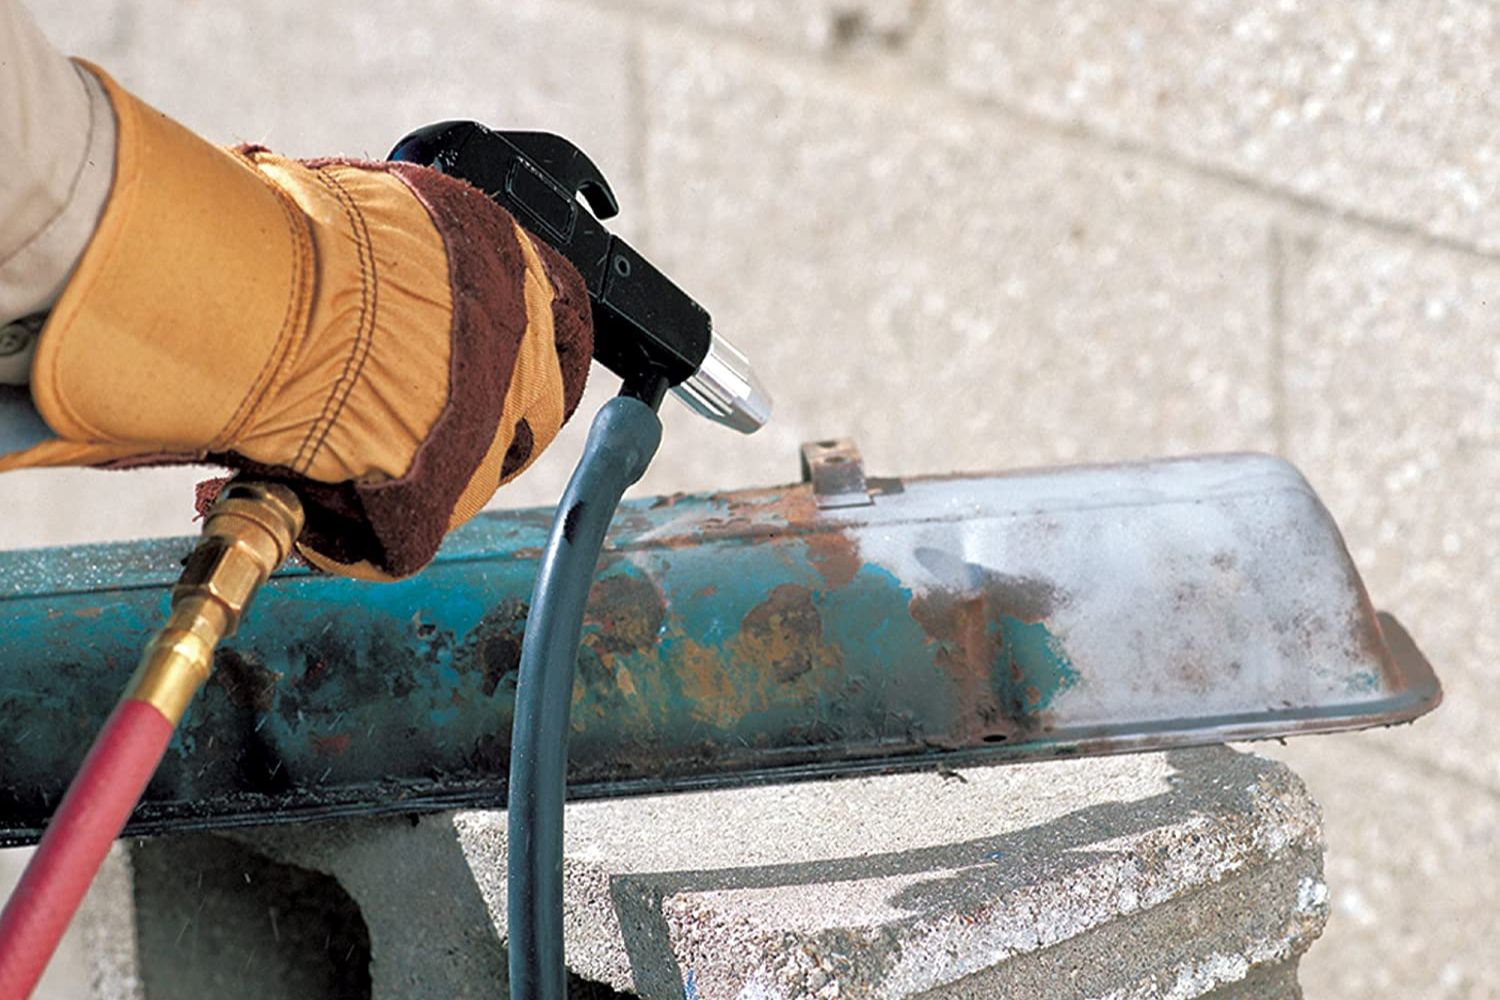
{"points": [[738, 637]]}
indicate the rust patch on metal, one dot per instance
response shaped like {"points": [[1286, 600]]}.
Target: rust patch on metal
{"points": [[314, 669], [966, 651], [784, 634], [706, 684], [776, 656], [335, 666], [332, 746], [794, 505], [1195, 669], [628, 612], [835, 556], [757, 514], [741, 515], [247, 681], [998, 700], [493, 647]]}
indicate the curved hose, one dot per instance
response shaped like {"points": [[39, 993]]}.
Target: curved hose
{"points": [[621, 443], [94, 810], [247, 534]]}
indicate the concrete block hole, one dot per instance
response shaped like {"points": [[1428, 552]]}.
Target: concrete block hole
{"points": [[218, 919]]}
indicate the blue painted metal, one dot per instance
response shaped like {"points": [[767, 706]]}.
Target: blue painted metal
{"points": [[736, 637]]}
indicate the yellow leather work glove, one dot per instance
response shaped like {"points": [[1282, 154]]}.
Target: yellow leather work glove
{"points": [[381, 337]]}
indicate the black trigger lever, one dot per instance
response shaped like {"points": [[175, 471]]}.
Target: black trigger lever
{"points": [[569, 166]]}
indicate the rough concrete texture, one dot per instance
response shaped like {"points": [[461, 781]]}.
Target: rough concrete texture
{"points": [[1390, 823], [1179, 875], [340, 76], [939, 311], [825, 27], [1410, 461], [854, 244], [1163, 956], [104, 934], [1380, 109], [430, 932]]}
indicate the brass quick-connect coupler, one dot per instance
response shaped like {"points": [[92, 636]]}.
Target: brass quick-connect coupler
{"points": [[248, 533]]}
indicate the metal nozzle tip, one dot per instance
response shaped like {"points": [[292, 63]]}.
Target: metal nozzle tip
{"points": [[725, 390]]}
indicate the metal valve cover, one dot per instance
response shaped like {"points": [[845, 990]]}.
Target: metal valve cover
{"points": [[836, 626]]}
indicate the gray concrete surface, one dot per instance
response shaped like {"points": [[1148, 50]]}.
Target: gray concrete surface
{"points": [[978, 235], [1186, 874], [848, 293], [1393, 824], [1382, 110]]}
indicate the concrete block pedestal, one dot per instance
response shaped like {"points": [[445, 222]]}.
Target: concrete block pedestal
{"points": [[1178, 875]]}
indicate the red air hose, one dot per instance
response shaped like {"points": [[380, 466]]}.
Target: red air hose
{"points": [[247, 534], [98, 803]]}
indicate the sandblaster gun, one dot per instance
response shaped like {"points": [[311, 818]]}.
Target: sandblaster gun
{"points": [[646, 330]]}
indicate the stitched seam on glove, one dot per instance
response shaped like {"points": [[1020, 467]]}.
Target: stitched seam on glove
{"points": [[165, 183], [273, 372], [364, 334]]}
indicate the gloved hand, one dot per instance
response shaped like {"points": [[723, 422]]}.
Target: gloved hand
{"points": [[380, 337]]}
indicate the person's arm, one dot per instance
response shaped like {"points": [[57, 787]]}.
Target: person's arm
{"points": [[379, 336], [58, 132]]}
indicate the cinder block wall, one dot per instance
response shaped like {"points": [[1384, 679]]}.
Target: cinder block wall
{"points": [[975, 235]]}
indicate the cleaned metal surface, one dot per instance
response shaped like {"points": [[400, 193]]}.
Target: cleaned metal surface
{"points": [[736, 638]]}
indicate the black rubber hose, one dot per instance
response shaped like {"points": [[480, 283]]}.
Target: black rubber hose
{"points": [[621, 443]]}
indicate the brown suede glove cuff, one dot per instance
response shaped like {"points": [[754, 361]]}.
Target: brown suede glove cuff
{"points": [[396, 525]]}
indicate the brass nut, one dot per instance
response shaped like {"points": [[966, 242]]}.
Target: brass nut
{"points": [[225, 569], [249, 532]]}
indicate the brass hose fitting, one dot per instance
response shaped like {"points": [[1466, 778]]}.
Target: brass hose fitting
{"points": [[248, 533]]}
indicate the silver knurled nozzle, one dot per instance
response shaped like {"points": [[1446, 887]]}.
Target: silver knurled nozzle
{"points": [[724, 389]]}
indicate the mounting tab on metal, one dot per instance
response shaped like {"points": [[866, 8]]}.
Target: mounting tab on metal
{"points": [[837, 473]]}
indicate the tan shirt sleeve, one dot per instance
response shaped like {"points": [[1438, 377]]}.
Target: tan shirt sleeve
{"points": [[58, 132]]}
